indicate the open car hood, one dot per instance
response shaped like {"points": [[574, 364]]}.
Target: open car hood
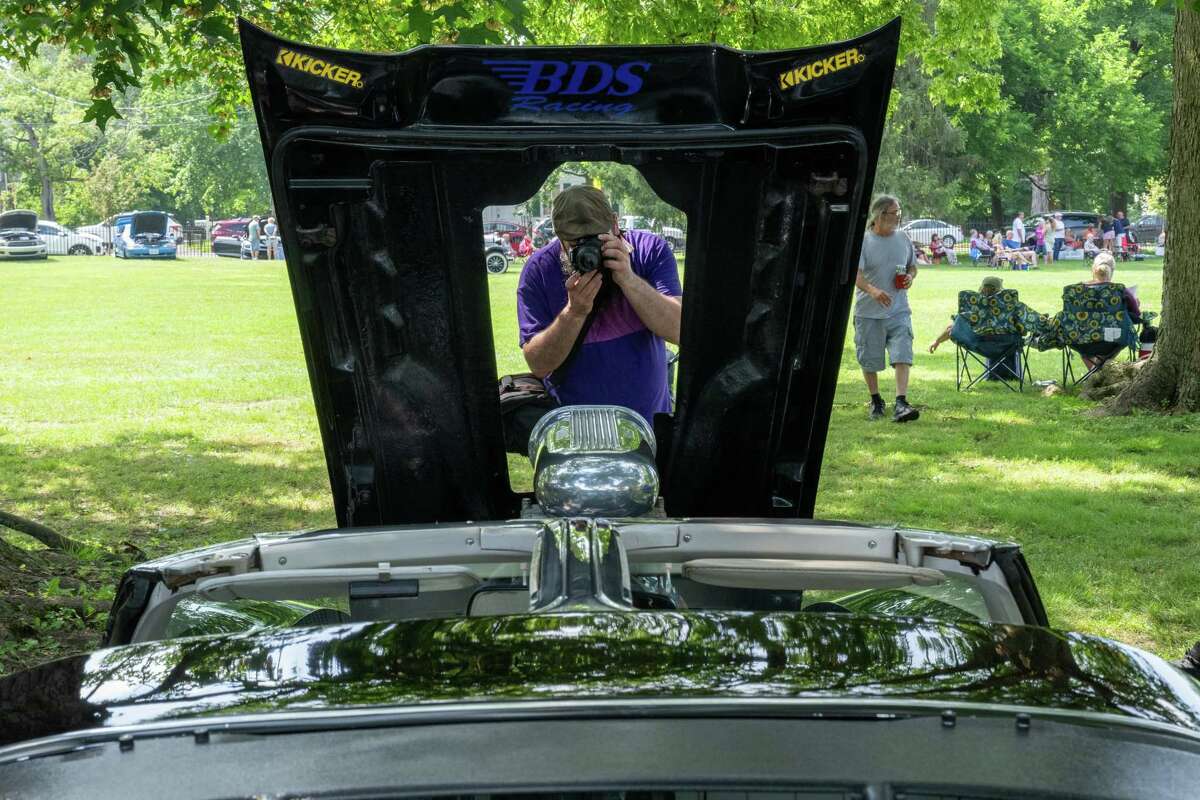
{"points": [[148, 222], [18, 221], [381, 165]]}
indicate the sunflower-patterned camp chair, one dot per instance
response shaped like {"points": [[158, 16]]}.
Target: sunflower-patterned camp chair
{"points": [[1093, 324], [989, 330]]}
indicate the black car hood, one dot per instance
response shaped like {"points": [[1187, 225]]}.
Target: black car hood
{"points": [[148, 222], [381, 165], [660, 655], [18, 221]]}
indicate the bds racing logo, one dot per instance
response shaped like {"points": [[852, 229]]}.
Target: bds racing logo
{"points": [[572, 86], [820, 68], [319, 67]]}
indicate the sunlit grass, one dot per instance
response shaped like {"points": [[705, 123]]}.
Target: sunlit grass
{"points": [[168, 405]]}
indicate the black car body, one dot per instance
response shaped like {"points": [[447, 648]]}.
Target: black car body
{"points": [[19, 237], [228, 246], [455, 637], [1147, 228]]}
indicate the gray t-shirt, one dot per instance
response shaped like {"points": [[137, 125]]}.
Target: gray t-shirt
{"points": [[252, 232], [880, 257]]}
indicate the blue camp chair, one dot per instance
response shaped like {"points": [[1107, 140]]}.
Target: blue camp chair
{"points": [[989, 334], [1093, 324]]}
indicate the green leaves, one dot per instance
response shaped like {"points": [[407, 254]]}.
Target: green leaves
{"points": [[100, 111]]}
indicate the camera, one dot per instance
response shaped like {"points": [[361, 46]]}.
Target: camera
{"points": [[586, 254]]}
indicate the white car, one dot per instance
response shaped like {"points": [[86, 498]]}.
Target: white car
{"points": [[62, 241], [18, 236], [922, 230]]}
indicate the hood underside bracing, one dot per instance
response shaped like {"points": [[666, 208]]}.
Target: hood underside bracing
{"points": [[381, 166]]}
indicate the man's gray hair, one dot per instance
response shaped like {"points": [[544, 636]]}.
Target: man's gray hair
{"points": [[879, 205]]}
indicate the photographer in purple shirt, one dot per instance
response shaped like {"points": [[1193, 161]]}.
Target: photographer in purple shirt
{"points": [[634, 293]]}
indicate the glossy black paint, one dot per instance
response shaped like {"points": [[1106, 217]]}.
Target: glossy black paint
{"points": [[381, 165], [598, 656]]}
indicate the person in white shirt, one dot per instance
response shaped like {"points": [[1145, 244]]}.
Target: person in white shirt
{"points": [[1019, 227], [1060, 234]]}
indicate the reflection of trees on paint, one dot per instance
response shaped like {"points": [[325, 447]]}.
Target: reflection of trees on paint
{"points": [[667, 654]]}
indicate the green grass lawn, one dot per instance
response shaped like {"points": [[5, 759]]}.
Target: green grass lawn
{"points": [[167, 405]]}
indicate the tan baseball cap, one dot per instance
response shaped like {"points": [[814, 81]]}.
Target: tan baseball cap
{"points": [[581, 211], [991, 282]]}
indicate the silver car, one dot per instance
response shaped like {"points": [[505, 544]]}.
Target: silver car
{"points": [[921, 231]]}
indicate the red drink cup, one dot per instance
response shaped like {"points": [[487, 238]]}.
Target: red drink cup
{"points": [[901, 276]]}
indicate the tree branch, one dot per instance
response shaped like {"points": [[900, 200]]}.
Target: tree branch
{"points": [[47, 536]]}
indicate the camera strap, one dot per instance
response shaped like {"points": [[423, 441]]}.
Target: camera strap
{"points": [[561, 369]]}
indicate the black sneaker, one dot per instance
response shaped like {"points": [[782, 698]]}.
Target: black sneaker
{"points": [[904, 412], [877, 411]]}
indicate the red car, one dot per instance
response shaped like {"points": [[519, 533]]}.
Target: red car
{"points": [[229, 227], [515, 232]]}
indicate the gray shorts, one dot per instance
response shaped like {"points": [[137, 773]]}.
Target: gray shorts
{"points": [[872, 337]]}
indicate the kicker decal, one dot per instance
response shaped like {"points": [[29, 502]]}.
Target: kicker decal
{"points": [[820, 68], [571, 86], [319, 67]]}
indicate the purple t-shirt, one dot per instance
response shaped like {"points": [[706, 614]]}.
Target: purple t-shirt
{"points": [[620, 362]]}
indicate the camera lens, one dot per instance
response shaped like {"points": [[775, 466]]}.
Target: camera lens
{"points": [[586, 256]]}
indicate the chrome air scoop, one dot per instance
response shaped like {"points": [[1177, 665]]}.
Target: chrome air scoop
{"points": [[594, 461]]}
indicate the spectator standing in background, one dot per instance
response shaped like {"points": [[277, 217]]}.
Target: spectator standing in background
{"points": [[1060, 235], [1019, 228], [254, 234], [1119, 228], [270, 230], [1106, 232], [882, 319]]}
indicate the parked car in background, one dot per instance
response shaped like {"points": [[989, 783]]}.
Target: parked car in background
{"points": [[1147, 228], [146, 235], [18, 236], [62, 241], [244, 250], [229, 227], [102, 230], [514, 230], [228, 246], [921, 231], [496, 257], [543, 232], [108, 229], [674, 237], [1077, 221]]}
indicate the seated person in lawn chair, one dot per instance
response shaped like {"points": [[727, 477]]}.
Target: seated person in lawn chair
{"points": [[989, 328], [939, 252], [981, 248], [1097, 322], [1015, 253]]}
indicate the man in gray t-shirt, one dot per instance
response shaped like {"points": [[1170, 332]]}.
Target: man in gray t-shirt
{"points": [[882, 321]]}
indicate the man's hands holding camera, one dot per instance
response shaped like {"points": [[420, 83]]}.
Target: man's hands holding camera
{"points": [[582, 289], [616, 257]]}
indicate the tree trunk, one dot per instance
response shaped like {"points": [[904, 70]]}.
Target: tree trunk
{"points": [[997, 206], [1171, 381], [1039, 202], [1118, 201], [43, 171]]}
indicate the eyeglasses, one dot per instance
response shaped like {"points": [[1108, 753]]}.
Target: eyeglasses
{"points": [[895, 213]]}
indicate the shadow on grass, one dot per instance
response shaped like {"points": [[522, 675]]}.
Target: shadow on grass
{"points": [[1107, 510], [166, 491]]}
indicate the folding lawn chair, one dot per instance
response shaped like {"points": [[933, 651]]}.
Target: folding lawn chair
{"points": [[1095, 325], [989, 334]]}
